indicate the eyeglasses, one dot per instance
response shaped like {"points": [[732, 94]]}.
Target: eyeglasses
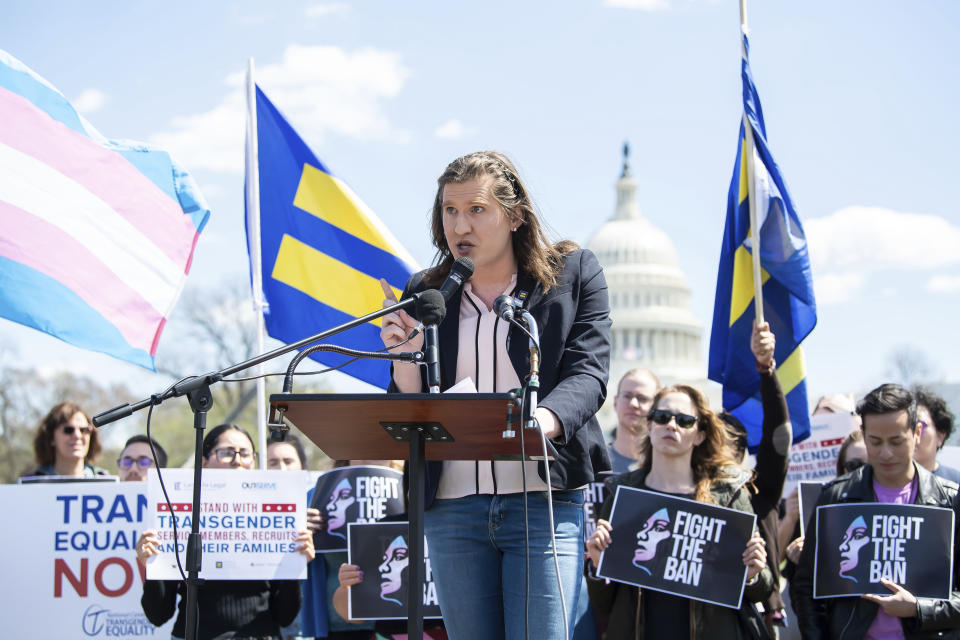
{"points": [[662, 416], [144, 462], [68, 429], [852, 465], [228, 455]]}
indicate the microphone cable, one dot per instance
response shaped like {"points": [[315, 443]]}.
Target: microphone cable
{"points": [[154, 401], [526, 525]]}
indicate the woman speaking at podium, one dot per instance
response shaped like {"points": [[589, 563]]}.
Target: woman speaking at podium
{"points": [[474, 520]]}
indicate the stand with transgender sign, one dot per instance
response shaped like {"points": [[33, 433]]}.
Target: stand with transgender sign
{"points": [[416, 427]]}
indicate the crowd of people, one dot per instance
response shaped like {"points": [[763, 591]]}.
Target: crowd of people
{"points": [[506, 538]]}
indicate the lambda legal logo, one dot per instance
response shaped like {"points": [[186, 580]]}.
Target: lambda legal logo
{"points": [[94, 619]]}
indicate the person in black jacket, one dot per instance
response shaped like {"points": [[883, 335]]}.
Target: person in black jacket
{"points": [[474, 520], [685, 454], [891, 434], [227, 608], [772, 458]]}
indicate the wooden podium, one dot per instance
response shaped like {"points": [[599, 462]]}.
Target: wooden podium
{"points": [[416, 427]]}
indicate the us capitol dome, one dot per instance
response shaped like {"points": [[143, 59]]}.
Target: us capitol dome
{"points": [[653, 326]]}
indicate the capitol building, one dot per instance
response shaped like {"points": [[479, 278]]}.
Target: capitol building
{"points": [[653, 325]]}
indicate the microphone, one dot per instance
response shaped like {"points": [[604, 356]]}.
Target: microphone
{"points": [[460, 272], [506, 306], [431, 309]]}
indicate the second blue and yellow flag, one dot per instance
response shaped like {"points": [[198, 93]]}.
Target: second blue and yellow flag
{"points": [[788, 301], [323, 250]]}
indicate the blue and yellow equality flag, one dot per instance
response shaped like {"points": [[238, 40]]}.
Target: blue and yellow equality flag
{"points": [[322, 249], [788, 301]]}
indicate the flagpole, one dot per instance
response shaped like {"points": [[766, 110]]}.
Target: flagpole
{"points": [[253, 225], [751, 190]]}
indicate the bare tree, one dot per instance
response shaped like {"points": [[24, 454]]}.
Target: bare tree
{"points": [[910, 366], [212, 329]]}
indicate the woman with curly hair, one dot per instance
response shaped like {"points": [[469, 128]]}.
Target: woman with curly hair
{"points": [[685, 454], [66, 443]]}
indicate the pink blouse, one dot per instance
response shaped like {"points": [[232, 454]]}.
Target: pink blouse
{"points": [[482, 356]]}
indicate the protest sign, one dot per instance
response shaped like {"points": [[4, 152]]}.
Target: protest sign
{"points": [[859, 543], [809, 494], [592, 501], [815, 459], [354, 494], [672, 544], [380, 550], [70, 562], [248, 523]]}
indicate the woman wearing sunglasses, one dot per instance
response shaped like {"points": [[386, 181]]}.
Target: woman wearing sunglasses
{"points": [[686, 454], [228, 608], [66, 444]]}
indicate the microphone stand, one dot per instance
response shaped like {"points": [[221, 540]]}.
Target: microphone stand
{"points": [[533, 384], [200, 398]]}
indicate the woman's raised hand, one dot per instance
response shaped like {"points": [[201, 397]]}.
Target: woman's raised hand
{"points": [[397, 325]]}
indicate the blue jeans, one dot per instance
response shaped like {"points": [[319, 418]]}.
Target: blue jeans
{"points": [[476, 548]]}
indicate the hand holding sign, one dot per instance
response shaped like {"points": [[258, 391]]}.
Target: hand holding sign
{"points": [[755, 555], [902, 604], [148, 545], [314, 520], [305, 538], [599, 541], [794, 549]]}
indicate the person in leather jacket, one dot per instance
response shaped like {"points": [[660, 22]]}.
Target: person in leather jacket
{"points": [[891, 434]]}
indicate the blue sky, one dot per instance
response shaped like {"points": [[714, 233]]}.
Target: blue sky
{"points": [[859, 97]]}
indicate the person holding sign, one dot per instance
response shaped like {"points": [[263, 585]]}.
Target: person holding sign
{"points": [[228, 608], [475, 520], [891, 434], [66, 443], [685, 454], [936, 424]]}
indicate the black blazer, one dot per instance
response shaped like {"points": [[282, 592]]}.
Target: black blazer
{"points": [[574, 323]]}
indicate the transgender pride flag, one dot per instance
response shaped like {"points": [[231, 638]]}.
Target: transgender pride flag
{"points": [[96, 235]]}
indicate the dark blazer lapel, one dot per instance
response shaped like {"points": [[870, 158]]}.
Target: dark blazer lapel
{"points": [[449, 331], [517, 342]]}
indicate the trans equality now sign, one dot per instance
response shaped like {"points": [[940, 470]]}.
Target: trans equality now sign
{"points": [[677, 546], [857, 544]]}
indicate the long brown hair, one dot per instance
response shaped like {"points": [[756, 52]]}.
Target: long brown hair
{"points": [[711, 459], [535, 254], [61, 414]]}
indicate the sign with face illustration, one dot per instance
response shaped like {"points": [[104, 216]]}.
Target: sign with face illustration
{"points": [[808, 495], [592, 501], [354, 494], [380, 550], [672, 544], [858, 544]]}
